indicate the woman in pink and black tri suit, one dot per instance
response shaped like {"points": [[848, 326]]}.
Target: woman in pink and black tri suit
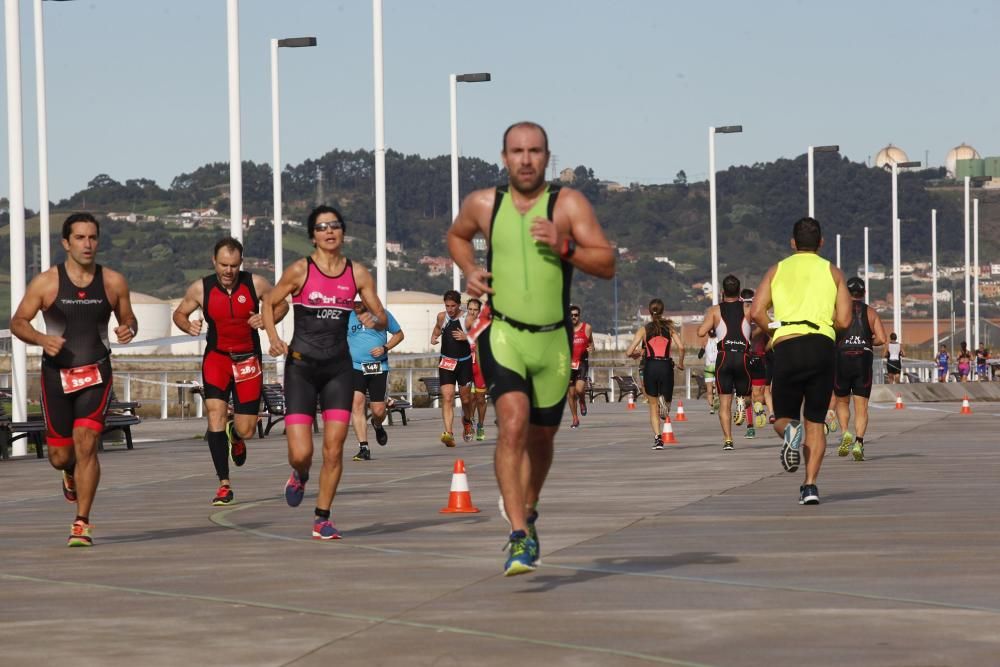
{"points": [[318, 361]]}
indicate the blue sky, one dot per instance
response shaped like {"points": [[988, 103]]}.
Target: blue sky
{"points": [[137, 88]]}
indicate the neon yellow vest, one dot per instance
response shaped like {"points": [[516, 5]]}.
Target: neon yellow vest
{"points": [[803, 290]]}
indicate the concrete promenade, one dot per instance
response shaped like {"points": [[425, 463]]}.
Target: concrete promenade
{"points": [[687, 556]]}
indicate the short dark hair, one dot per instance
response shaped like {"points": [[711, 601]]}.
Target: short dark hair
{"points": [[229, 243], [731, 286], [747, 294], [807, 234], [525, 123], [575, 307], [453, 295], [474, 300], [892, 336], [67, 227], [320, 210]]}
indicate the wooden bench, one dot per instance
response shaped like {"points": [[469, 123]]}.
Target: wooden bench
{"points": [[433, 386], [273, 407], [34, 430], [398, 405], [592, 390], [626, 385]]}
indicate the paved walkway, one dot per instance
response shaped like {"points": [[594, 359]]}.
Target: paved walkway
{"points": [[687, 556]]}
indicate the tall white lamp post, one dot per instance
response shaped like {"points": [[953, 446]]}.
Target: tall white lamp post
{"points": [[897, 317], [381, 272], [867, 293], [235, 161], [810, 153], [975, 274], [934, 279], [712, 222], [453, 81]]}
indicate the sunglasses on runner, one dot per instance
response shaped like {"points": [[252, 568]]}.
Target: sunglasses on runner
{"points": [[323, 226], [575, 315]]}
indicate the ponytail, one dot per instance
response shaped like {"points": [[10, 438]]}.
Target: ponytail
{"points": [[656, 317]]}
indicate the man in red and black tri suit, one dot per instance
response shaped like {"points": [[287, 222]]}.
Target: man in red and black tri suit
{"points": [[231, 369], [76, 298], [582, 343]]}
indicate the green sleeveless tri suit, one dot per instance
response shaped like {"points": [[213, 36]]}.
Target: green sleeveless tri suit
{"points": [[527, 347]]}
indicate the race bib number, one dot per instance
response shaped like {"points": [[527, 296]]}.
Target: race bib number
{"points": [[575, 365], [372, 368], [248, 369], [81, 377], [448, 364]]}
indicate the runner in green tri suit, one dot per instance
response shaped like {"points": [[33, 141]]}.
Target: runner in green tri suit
{"points": [[537, 233]]}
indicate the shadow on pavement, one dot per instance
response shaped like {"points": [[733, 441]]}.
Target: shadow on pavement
{"points": [[406, 526], [170, 533], [608, 567], [864, 495]]}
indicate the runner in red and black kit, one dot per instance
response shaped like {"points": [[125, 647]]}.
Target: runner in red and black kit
{"points": [[76, 299], [582, 344], [657, 339], [231, 368], [730, 320]]}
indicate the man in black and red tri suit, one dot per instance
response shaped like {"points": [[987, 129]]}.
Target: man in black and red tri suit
{"points": [[231, 369], [76, 298]]}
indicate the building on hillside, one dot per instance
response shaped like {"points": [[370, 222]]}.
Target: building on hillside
{"points": [[890, 155], [567, 175], [989, 289], [436, 266], [961, 152], [665, 260], [394, 247]]}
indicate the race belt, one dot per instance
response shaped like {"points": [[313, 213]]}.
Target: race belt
{"points": [[524, 326]]}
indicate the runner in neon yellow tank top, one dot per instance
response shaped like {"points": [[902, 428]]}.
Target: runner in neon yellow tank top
{"points": [[537, 235]]}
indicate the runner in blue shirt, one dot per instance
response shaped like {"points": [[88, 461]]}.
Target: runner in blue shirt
{"points": [[370, 357]]}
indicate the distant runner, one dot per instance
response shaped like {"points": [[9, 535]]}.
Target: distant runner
{"points": [[454, 367], [894, 359], [982, 357], [658, 341], [942, 362], [582, 344], [711, 353], [472, 308]]}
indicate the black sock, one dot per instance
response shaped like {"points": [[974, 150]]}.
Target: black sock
{"points": [[860, 440], [322, 514], [363, 445], [218, 446], [70, 469], [85, 519]]}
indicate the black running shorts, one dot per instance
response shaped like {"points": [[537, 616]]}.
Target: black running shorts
{"points": [[658, 378], [330, 382], [64, 412], [731, 373], [462, 375], [853, 374], [375, 384], [803, 377]]}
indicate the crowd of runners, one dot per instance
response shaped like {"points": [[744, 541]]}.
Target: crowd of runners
{"points": [[795, 353]]}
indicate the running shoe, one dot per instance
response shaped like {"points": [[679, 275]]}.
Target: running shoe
{"points": [[68, 487], [323, 529], [523, 554], [711, 409], [716, 404], [223, 496], [808, 494], [741, 411], [845, 444], [759, 415], [381, 437], [859, 451], [771, 419], [831, 422], [237, 447], [727, 446], [467, 430], [751, 433], [480, 432], [657, 443], [295, 489], [533, 534], [448, 438], [790, 456], [583, 406], [364, 454], [79, 535], [576, 423]]}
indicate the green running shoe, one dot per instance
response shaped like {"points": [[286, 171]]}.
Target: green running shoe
{"points": [[831, 422], [858, 451], [523, 554], [480, 432], [845, 444], [751, 433]]}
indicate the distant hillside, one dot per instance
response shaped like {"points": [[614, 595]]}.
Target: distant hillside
{"points": [[757, 206]]}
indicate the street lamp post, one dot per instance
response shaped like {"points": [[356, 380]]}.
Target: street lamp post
{"points": [[713, 225], [897, 318], [453, 81], [867, 293], [934, 277], [838, 251], [812, 174], [278, 220], [975, 274], [966, 225], [15, 175], [235, 163], [378, 66]]}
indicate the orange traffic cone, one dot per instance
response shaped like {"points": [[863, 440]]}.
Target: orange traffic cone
{"points": [[631, 401], [459, 500], [966, 408], [668, 437], [681, 417], [899, 401]]}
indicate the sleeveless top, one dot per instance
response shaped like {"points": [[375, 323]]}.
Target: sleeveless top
{"points": [[858, 336], [530, 282], [227, 314], [322, 308], [942, 360], [711, 350], [80, 315], [892, 351], [580, 343], [804, 295], [451, 348], [657, 344], [734, 330]]}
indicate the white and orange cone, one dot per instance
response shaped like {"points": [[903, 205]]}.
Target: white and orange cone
{"points": [[681, 417], [459, 500], [899, 401], [631, 401], [668, 437], [966, 408]]}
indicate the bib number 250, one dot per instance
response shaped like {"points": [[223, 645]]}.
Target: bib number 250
{"points": [[81, 377]]}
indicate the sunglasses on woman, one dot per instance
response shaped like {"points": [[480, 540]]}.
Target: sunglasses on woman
{"points": [[323, 226]]}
